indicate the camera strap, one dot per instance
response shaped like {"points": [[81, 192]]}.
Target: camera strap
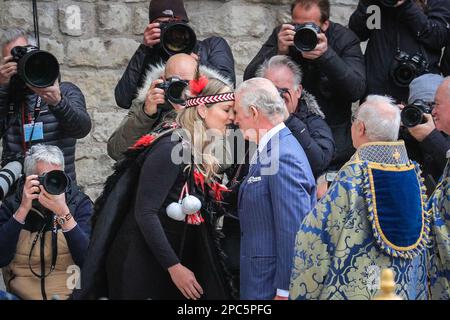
{"points": [[41, 235], [31, 120]]}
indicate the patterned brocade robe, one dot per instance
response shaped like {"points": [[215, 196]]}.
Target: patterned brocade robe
{"points": [[373, 217], [440, 238]]}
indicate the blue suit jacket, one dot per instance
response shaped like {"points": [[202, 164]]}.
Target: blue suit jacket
{"points": [[272, 204]]}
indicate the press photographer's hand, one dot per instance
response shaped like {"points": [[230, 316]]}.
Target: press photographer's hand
{"points": [[8, 68], [152, 34], [423, 130], [154, 97], [285, 38], [54, 203], [50, 95], [319, 50], [30, 192]]}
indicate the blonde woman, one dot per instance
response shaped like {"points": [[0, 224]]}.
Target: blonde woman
{"points": [[162, 250]]}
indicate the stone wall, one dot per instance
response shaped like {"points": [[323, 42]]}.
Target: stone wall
{"points": [[94, 51]]}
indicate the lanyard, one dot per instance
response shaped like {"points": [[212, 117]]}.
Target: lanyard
{"points": [[36, 113]]}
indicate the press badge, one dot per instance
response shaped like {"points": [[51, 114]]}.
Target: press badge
{"points": [[38, 131]]}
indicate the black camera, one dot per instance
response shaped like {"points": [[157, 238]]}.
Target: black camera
{"points": [[8, 176], [35, 67], [173, 89], [389, 3], [412, 114], [305, 38], [54, 182], [406, 68], [177, 37]]}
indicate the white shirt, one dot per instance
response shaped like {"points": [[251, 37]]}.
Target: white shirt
{"points": [[266, 138]]}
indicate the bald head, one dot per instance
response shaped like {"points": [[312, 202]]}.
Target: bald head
{"points": [[181, 65], [377, 120], [441, 111]]}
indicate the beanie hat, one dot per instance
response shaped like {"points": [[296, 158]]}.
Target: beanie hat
{"points": [[424, 87], [167, 8]]}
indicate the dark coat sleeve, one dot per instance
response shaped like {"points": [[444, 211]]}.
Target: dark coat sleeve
{"points": [[431, 28], [316, 138], [435, 146], [218, 55], [268, 50], [346, 69], [445, 64], [127, 87], [358, 21], [3, 109], [9, 230], [158, 170], [71, 112], [78, 238]]}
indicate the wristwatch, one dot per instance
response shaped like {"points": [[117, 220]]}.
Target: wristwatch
{"points": [[63, 220]]}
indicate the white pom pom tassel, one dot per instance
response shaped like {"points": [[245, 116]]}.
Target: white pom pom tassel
{"points": [[191, 204], [175, 211]]}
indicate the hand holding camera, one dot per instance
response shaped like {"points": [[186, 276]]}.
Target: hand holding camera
{"points": [[155, 96], [421, 131], [152, 35], [30, 192], [54, 203], [50, 95], [8, 68], [285, 38], [319, 50]]}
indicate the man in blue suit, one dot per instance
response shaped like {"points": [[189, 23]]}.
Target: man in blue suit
{"points": [[277, 193]]}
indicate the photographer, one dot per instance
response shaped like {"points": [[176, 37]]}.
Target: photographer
{"points": [[333, 70], [53, 115], [38, 269], [425, 143], [306, 120], [412, 27], [213, 52]]}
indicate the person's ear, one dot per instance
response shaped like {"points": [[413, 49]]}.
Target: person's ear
{"points": [[254, 113], [325, 25], [299, 91], [202, 111], [361, 128]]}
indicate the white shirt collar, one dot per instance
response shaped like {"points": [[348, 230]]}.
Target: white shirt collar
{"points": [[266, 137], [448, 154]]}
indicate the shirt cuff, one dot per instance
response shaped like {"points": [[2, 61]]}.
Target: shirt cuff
{"points": [[68, 230], [14, 216], [282, 293]]}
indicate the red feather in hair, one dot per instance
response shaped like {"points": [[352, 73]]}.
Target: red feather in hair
{"points": [[197, 86]]}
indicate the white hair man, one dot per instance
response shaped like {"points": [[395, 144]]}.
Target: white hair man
{"points": [[47, 206], [440, 204], [276, 194], [372, 217]]}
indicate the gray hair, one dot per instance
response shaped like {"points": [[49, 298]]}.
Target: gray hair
{"points": [[281, 61], [262, 94], [15, 33], [381, 118], [42, 153]]}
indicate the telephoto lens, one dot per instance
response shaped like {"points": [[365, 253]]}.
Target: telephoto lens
{"points": [[8, 176], [177, 37], [35, 67], [54, 182], [305, 38]]}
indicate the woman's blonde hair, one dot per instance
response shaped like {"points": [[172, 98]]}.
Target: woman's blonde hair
{"points": [[190, 120]]}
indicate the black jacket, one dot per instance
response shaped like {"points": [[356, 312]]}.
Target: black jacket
{"points": [[336, 79], [62, 124], [431, 154], [313, 133], [214, 52], [418, 31]]}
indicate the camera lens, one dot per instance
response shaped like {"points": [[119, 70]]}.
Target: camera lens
{"points": [[305, 39], [175, 92], [411, 116], [178, 38], [39, 69], [8, 176], [55, 182], [404, 74]]}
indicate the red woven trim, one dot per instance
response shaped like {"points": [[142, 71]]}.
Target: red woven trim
{"points": [[192, 102]]}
